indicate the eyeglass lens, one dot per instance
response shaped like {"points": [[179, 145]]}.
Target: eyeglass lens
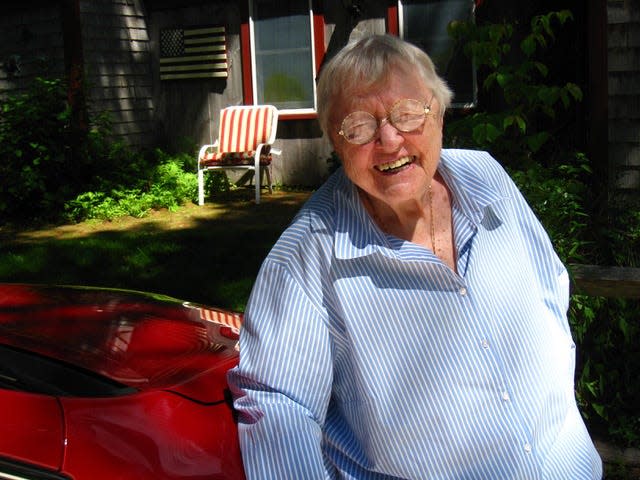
{"points": [[406, 115]]}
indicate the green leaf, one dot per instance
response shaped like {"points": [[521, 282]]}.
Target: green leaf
{"points": [[488, 82], [536, 141], [545, 22], [514, 120], [574, 90], [528, 46], [624, 327], [600, 410], [503, 79], [542, 68], [563, 16], [486, 133]]}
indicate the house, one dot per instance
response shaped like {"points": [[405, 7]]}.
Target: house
{"points": [[623, 98], [139, 60]]}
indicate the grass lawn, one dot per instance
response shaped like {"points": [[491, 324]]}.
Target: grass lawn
{"points": [[209, 254]]}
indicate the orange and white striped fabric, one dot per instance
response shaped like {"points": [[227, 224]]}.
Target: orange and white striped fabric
{"points": [[242, 129], [232, 320]]}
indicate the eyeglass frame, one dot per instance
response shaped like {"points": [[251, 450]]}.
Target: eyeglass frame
{"points": [[379, 123]]}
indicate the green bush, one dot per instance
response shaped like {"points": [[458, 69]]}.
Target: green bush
{"points": [[167, 185], [607, 331], [559, 195], [533, 110], [34, 167], [40, 180]]}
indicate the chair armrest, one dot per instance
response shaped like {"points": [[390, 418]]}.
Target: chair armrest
{"points": [[203, 150], [258, 153], [206, 147], [273, 151]]}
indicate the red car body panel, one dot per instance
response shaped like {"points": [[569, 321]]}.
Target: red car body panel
{"points": [[32, 428], [173, 419], [201, 444]]}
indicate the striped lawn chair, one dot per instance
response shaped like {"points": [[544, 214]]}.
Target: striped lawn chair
{"points": [[245, 142]]}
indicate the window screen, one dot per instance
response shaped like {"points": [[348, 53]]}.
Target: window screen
{"points": [[283, 54], [424, 23]]}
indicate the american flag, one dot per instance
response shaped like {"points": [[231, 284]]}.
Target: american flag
{"points": [[193, 53]]}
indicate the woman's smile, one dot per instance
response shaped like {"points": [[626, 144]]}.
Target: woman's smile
{"points": [[396, 165]]}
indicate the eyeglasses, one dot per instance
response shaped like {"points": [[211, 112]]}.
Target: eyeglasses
{"points": [[406, 115]]}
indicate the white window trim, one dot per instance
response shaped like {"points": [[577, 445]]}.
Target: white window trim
{"points": [[254, 83], [400, 19]]}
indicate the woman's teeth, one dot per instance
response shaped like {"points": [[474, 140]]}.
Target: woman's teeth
{"points": [[395, 164]]}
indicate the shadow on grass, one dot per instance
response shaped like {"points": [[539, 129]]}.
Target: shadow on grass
{"points": [[208, 254]]}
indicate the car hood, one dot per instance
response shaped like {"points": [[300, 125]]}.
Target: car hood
{"points": [[138, 339]]}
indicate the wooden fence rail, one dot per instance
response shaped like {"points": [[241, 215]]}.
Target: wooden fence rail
{"points": [[620, 282]]}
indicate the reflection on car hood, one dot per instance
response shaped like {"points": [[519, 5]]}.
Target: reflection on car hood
{"points": [[141, 340]]}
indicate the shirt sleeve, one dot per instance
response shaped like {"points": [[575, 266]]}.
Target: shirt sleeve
{"points": [[553, 278], [282, 384]]}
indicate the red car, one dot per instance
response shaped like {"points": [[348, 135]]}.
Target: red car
{"points": [[112, 384]]}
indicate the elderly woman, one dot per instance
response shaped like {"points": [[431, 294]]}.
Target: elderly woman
{"points": [[411, 322]]}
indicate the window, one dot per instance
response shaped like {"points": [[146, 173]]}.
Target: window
{"points": [[424, 23], [26, 371], [10, 468], [283, 58]]}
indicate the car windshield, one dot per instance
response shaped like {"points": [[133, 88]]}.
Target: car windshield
{"points": [[29, 372]]}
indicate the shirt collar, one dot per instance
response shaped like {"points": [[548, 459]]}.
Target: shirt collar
{"points": [[471, 193], [356, 234]]}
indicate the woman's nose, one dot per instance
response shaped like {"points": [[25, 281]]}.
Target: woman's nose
{"points": [[388, 135]]}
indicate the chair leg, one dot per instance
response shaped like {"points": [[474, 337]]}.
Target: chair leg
{"points": [[268, 169], [200, 187], [257, 184]]}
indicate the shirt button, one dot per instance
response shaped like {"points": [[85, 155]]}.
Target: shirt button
{"points": [[527, 447], [462, 291], [505, 396], [485, 343]]}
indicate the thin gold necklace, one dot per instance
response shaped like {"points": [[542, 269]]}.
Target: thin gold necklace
{"points": [[385, 228], [432, 219]]}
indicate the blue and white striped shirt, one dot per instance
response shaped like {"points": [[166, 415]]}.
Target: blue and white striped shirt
{"points": [[363, 356]]}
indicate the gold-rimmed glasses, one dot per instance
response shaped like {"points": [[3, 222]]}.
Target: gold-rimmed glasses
{"points": [[406, 115]]}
